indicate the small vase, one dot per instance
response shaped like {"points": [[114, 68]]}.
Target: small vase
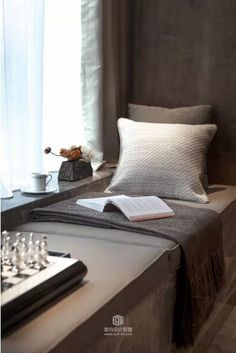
{"points": [[75, 170]]}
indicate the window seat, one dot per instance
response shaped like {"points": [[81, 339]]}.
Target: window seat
{"points": [[16, 210]]}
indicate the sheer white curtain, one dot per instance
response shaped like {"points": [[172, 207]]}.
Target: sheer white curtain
{"points": [[72, 90], [21, 88], [62, 116], [51, 82], [91, 76]]}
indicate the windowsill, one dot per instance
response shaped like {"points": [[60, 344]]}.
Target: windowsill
{"points": [[16, 210]]}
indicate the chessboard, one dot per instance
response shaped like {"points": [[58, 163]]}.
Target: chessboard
{"points": [[26, 292], [10, 279]]}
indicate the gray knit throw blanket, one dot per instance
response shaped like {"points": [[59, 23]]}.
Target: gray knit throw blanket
{"points": [[197, 231]]}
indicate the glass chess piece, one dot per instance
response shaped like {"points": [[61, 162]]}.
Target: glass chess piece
{"points": [[3, 247], [7, 251], [23, 253], [31, 250], [15, 259], [18, 237], [44, 250], [5, 233], [38, 258]]}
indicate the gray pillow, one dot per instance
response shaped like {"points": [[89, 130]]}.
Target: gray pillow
{"points": [[162, 159], [196, 115]]}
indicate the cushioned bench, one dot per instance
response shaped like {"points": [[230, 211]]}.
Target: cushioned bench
{"points": [[123, 268], [113, 269]]}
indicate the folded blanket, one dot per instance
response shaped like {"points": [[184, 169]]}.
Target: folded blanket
{"points": [[198, 231]]}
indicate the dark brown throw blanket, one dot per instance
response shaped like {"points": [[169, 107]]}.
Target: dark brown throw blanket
{"points": [[198, 231]]}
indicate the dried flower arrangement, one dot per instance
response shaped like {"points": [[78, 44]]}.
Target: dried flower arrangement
{"points": [[73, 153], [78, 164]]}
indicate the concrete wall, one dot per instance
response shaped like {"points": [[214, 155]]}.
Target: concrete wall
{"points": [[183, 53]]}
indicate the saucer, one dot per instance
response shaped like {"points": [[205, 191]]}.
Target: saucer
{"points": [[30, 190]]}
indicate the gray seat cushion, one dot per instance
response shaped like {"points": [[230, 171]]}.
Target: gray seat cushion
{"points": [[114, 271], [122, 266], [220, 197]]}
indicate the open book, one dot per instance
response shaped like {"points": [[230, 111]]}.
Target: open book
{"points": [[134, 208]]}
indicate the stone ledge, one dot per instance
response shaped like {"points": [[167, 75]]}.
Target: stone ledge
{"points": [[16, 211]]}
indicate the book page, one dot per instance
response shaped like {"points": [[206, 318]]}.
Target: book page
{"points": [[142, 206], [98, 203]]}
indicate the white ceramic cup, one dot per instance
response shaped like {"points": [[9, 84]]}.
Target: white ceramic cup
{"points": [[39, 181]]}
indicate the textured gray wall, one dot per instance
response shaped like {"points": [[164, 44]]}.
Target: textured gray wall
{"points": [[183, 53]]}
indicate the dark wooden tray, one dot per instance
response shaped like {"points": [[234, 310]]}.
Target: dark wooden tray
{"points": [[37, 291]]}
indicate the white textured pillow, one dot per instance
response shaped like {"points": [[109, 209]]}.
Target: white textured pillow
{"points": [[162, 159], [195, 115]]}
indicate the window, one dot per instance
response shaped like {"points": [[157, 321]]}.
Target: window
{"points": [[40, 84]]}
